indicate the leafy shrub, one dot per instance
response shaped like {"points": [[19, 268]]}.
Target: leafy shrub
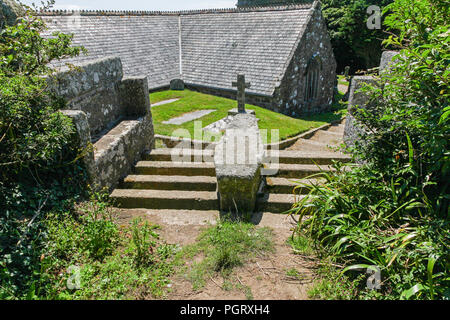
{"points": [[123, 263], [393, 210]]}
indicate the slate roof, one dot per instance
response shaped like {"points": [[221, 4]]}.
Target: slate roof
{"points": [[215, 44]]}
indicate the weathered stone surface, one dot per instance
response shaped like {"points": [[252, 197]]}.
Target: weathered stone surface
{"points": [[114, 111], [177, 84], [10, 10], [118, 150], [386, 59], [241, 85], [356, 99], [314, 44], [272, 46], [238, 160]]}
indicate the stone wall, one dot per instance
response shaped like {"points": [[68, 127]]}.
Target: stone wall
{"points": [[314, 44], [9, 12], [357, 99], [253, 3], [92, 87], [111, 114]]}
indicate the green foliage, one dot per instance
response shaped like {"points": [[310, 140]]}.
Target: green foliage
{"points": [[392, 211]]}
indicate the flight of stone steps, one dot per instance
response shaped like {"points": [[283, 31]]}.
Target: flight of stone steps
{"points": [[160, 183]]}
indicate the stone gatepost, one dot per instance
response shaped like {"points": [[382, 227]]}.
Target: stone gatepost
{"points": [[357, 99], [238, 161]]}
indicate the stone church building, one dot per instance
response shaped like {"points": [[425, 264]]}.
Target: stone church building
{"points": [[284, 51]]}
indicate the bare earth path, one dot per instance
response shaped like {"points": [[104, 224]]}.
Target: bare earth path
{"points": [[266, 276]]}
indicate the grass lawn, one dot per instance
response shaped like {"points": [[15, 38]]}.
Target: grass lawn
{"points": [[192, 101]]}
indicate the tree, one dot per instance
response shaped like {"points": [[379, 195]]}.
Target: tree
{"points": [[353, 43]]}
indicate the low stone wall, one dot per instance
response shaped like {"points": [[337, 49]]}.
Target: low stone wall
{"points": [[118, 151], [238, 160], [112, 116]]}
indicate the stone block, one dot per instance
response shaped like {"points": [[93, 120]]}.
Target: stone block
{"points": [[238, 161], [117, 112], [356, 99], [235, 111], [386, 59], [80, 121]]}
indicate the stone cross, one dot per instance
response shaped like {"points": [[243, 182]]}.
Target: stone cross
{"points": [[241, 86]]}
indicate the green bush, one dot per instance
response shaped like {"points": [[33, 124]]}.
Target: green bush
{"points": [[392, 211]]}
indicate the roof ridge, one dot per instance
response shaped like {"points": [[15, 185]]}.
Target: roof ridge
{"points": [[179, 12]]}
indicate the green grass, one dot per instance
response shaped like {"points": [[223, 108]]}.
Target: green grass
{"points": [[224, 247], [192, 101]]}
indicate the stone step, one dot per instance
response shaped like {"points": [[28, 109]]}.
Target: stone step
{"points": [[301, 157], [180, 155], [286, 186], [277, 203], [161, 199], [296, 171], [311, 146], [169, 168], [161, 182]]}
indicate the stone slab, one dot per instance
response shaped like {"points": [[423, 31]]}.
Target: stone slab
{"points": [[189, 117]]}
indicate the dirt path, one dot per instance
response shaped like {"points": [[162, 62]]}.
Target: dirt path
{"points": [[265, 276]]}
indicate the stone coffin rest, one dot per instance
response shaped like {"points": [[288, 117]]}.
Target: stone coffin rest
{"points": [[110, 112]]}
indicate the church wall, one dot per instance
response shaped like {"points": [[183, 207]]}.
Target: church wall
{"points": [[289, 96]]}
